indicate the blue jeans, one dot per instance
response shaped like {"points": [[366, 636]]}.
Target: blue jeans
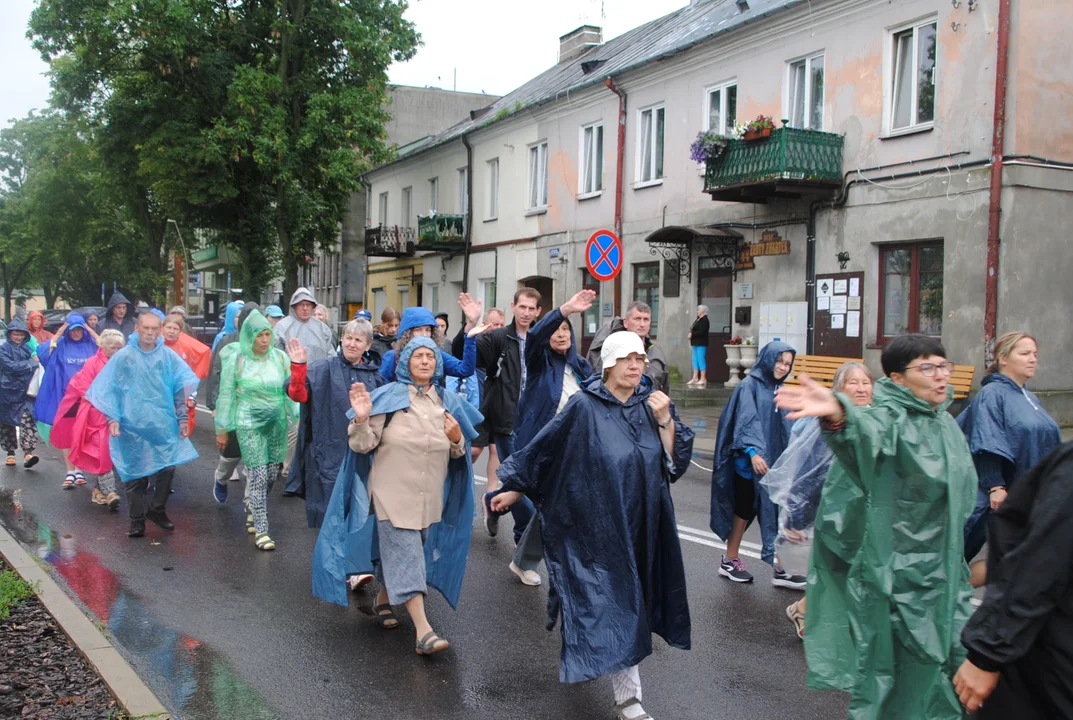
{"points": [[523, 510]]}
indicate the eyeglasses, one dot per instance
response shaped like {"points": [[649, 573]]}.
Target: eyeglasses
{"points": [[929, 369]]}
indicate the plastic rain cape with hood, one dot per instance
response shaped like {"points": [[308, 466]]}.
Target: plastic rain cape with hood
{"points": [[315, 336], [888, 587], [230, 317], [108, 321], [16, 370], [348, 544], [145, 391], [253, 398], [600, 479], [62, 362], [750, 419], [81, 427]]}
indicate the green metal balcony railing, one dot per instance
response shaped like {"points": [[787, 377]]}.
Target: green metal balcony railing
{"points": [[441, 232], [800, 157]]}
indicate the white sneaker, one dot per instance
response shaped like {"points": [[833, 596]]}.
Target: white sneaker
{"points": [[529, 577]]}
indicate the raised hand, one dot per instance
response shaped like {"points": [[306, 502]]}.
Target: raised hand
{"points": [[809, 399], [478, 330], [361, 402], [296, 351], [581, 302], [451, 428], [661, 406], [472, 309]]}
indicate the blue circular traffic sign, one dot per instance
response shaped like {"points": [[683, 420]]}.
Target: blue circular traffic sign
{"points": [[603, 255]]}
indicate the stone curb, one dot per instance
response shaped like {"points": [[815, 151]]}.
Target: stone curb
{"points": [[134, 695]]}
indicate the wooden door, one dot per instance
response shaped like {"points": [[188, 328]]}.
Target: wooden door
{"points": [[839, 315], [715, 288]]}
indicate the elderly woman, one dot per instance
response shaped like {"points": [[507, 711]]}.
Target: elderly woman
{"points": [[82, 429], [193, 352], [752, 434], [1008, 431], [419, 322], [411, 489], [599, 474], [253, 404], [18, 363], [698, 341], [795, 481]]}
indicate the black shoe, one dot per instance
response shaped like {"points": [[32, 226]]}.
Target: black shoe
{"points": [[288, 493], [160, 519], [137, 529]]}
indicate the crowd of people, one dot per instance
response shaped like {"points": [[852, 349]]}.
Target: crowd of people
{"points": [[869, 495]]}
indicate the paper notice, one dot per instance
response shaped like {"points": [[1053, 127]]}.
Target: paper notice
{"points": [[838, 304], [824, 287], [854, 287], [853, 303], [853, 324], [823, 303], [840, 287], [838, 322]]}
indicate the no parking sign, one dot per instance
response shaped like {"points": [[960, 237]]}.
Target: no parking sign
{"points": [[603, 255]]}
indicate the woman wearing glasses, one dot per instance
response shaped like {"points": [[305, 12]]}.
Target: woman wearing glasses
{"points": [[1008, 431], [888, 587]]}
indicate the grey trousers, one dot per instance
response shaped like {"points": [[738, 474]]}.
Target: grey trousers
{"points": [[137, 496], [530, 550], [401, 569], [226, 467]]}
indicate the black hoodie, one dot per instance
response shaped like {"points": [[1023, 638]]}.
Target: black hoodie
{"points": [[108, 322]]}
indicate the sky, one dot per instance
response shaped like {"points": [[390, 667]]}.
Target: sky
{"points": [[493, 45]]}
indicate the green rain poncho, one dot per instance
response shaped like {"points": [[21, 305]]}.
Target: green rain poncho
{"points": [[888, 587], [253, 400]]}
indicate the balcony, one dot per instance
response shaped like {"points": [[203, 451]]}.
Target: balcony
{"points": [[441, 232], [790, 164], [390, 241]]}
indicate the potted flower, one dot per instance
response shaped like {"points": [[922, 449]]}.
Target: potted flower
{"points": [[733, 350], [762, 127], [748, 354], [709, 145]]}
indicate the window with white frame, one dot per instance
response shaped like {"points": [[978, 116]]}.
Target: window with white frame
{"points": [[538, 176], [912, 95], [650, 146], [805, 102], [493, 189], [407, 205], [722, 108], [463, 190], [382, 217], [433, 294], [592, 160], [433, 195]]}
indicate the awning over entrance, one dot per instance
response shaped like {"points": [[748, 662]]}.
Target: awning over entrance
{"points": [[676, 245]]}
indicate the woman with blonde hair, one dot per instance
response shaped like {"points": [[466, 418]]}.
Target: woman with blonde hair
{"points": [[1008, 431]]}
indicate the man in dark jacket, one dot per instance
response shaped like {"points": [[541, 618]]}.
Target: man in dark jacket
{"points": [[638, 319], [1020, 640], [119, 316]]}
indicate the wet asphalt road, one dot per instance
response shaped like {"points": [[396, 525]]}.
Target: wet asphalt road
{"points": [[222, 631]]}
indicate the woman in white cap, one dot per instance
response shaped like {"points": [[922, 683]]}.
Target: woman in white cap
{"points": [[599, 476]]}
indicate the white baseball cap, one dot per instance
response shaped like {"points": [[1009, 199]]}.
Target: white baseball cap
{"points": [[619, 345]]}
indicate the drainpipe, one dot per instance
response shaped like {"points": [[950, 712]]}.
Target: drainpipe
{"points": [[469, 212], [620, 166], [994, 212]]}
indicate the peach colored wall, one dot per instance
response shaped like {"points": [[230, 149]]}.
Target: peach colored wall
{"points": [[1040, 100]]}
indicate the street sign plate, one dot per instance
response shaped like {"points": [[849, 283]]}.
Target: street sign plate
{"points": [[603, 255]]}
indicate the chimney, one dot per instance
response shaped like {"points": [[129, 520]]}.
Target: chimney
{"points": [[577, 42]]}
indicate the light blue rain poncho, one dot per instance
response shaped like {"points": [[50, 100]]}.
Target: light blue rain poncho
{"points": [[230, 317], [146, 392], [348, 543]]}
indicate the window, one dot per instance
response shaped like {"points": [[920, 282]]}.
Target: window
{"points": [[538, 176], [434, 298], [722, 109], [382, 217], [368, 205], [646, 289], [592, 160], [913, 83], [650, 151], [911, 290], [806, 93], [433, 195], [407, 205], [591, 321], [487, 288], [493, 189], [463, 190]]}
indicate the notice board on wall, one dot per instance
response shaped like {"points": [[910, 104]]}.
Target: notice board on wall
{"points": [[839, 317]]}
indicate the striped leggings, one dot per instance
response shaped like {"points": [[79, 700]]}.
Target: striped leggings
{"points": [[258, 480]]}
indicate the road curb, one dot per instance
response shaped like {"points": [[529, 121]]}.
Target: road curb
{"points": [[133, 694]]}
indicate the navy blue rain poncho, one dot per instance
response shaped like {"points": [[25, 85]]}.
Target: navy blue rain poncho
{"points": [[544, 378], [600, 479], [322, 435], [16, 370], [61, 363], [348, 542], [750, 419], [1009, 433]]}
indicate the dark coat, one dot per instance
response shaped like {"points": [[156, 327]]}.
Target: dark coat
{"points": [[108, 322], [1024, 628], [544, 378], [750, 419], [499, 355], [597, 475], [16, 370], [322, 435], [383, 343], [699, 332]]}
